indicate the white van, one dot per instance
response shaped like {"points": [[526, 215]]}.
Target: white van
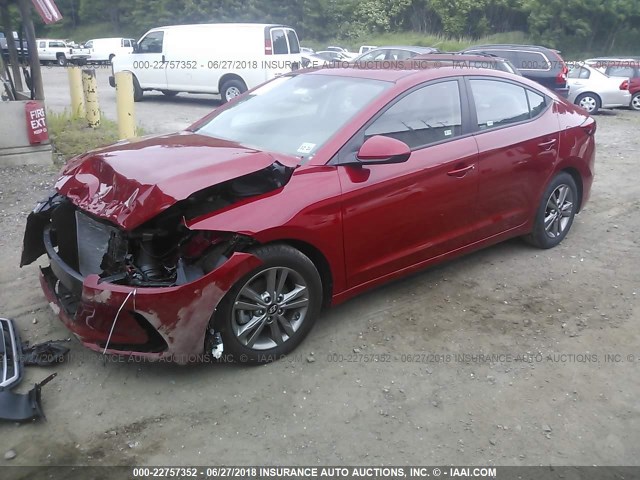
{"points": [[222, 58], [105, 49]]}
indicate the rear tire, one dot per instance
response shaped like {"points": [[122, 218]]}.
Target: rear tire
{"points": [[137, 90], [169, 93], [635, 102], [589, 102], [62, 60], [269, 311], [556, 212], [231, 89]]}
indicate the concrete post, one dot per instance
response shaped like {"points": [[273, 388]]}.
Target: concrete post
{"points": [[90, 86], [77, 93], [124, 103]]}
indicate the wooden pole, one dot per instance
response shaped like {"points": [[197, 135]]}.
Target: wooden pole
{"points": [[11, 44], [34, 61]]}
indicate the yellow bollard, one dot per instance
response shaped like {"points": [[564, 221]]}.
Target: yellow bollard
{"points": [[90, 87], [77, 94], [124, 103]]}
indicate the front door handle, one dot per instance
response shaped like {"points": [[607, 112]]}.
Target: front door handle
{"points": [[461, 172], [547, 145]]}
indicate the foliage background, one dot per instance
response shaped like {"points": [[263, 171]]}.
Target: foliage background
{"points": [[584, 26]]}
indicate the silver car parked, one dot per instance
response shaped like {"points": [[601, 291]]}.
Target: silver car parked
{"points": [[592, 90]]}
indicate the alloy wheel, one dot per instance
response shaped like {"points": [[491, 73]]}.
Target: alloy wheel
{"points": [[558, 211], [270, 308]]}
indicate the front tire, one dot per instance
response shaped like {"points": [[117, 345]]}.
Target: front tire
{"points": [[169, 93], [589, 102], [635, 102], [62, 60], [556, 212], [270, 310], [231, 89]]}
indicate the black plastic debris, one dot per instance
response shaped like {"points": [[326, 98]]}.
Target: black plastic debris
{"points": [[44, 354], [21, 407]]}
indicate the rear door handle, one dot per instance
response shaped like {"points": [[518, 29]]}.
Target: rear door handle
{"points": [[547, 145], [461, 172]]}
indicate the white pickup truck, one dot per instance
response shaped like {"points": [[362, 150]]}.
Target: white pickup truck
{"points": [[103, 50], [52, 50]]}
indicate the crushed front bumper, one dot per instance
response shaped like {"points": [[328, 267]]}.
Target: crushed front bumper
{"points": [[151, 322]]}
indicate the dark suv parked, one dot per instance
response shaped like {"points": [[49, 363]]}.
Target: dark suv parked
{"points": [[540, 64]]}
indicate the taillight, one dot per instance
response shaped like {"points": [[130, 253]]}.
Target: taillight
{"points": [[624, 85], [589, 126], [268, 50], [561, 78]]}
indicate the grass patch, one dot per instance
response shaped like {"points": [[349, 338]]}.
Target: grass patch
{"points": [[72, 136]]}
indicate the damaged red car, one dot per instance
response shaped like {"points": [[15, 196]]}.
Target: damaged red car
{"points": [[235, 233]]}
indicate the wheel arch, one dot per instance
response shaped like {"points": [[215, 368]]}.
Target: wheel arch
{"points": [[589, 92], [319, 260], [577, 177], [229, 76]]}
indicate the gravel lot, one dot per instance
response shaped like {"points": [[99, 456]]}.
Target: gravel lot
{"points": [[551, 397]]}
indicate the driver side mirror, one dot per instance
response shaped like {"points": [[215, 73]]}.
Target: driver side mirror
{"points": [[383, 150]]}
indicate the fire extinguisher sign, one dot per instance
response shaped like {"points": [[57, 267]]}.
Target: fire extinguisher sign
{"points": [[36, 122]]}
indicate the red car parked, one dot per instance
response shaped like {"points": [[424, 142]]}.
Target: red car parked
{"points": [[298, 195]]}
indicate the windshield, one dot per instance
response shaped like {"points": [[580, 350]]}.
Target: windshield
{"points": [[294, 115]]}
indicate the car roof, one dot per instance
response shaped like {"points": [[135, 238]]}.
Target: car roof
{"points": [[508, 45], [221, 25], [385, 70], [458, 57], [415, 48]]}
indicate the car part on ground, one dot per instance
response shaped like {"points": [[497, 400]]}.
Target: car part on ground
{"points": [[14, 406], [22, 407], [321, 184], [10, 354], [592, 90], [44, 354]]}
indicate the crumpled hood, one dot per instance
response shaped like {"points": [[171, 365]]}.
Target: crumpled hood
{"points": [[131, 182]]}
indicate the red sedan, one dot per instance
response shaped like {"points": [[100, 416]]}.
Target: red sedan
{"points": [[233, 234]]}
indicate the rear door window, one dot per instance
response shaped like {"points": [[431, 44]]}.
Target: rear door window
{"points": [[294, 45], [499, 103], [279, 42], [579, 72]]}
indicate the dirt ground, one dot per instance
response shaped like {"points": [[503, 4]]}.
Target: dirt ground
{"points": [[547, 319]]}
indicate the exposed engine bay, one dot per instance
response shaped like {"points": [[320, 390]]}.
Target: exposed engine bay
{"points": [[159, 253]]}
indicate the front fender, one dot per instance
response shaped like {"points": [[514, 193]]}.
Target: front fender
{"points": [[306, 209]]}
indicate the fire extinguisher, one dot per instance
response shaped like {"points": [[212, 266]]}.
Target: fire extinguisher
{"points": [[36, 122]]}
